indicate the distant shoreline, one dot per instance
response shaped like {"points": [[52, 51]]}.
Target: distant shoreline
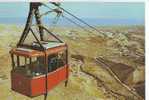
{"points": [[23, 25], [91, 21]]}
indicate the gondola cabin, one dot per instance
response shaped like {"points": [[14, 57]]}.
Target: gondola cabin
{"points": [[35, 72]]}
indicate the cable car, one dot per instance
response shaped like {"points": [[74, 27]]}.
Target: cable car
{"points": [[28, 75], [41, 65]]}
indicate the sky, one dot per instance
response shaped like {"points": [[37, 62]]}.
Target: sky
{"points": [[106, 10], [90, 10]]}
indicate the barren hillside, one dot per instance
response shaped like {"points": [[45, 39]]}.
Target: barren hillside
{"points": [[122, 51]]}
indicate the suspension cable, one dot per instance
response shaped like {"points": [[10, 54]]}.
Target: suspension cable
{"points": [[82, 21], [92, 27], [46, 13], [70, 20], [56, 19], [76, 24]]}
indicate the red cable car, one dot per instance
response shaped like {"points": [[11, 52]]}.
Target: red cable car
{"points": [[29, 76], [41, 65]]}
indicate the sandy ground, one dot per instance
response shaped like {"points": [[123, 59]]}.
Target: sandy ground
{"points": [[122, 44]]}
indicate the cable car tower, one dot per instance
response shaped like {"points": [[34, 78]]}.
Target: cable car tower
{"points": [[39, 66]]}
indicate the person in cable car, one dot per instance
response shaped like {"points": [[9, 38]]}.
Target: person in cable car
{"points": [[56, 61]]}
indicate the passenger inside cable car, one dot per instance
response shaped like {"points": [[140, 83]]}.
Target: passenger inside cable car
{"points": [[56, 61]]}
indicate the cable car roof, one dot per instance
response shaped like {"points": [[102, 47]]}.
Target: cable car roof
{"points": [[51, 47], [48, 45], [26, 52]]}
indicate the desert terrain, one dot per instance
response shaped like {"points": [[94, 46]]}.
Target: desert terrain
{"points": [[109, 65]]}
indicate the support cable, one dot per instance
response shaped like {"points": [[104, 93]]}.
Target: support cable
{"points": [[92, 27], [70, 20], [76, 24]]}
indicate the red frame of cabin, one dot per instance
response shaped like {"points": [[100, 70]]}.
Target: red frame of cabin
{"points": [[37, 85]]}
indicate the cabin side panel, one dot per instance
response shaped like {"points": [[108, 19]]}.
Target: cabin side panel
{"points": [[63, 73], [52, 79], [38, 85], [20, 83]]}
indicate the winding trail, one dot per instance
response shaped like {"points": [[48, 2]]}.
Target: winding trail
{"points": [[100, 61], [101, 83]]}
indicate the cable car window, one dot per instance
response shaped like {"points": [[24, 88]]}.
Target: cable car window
{"points": [[29, 66], [36, 66], [56, 60]]}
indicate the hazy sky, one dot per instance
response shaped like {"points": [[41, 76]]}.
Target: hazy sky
{"points": [[82, 9]]}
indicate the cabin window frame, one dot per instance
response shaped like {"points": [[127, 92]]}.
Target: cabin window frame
{"points": [[29, 63], [57, 66]]}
